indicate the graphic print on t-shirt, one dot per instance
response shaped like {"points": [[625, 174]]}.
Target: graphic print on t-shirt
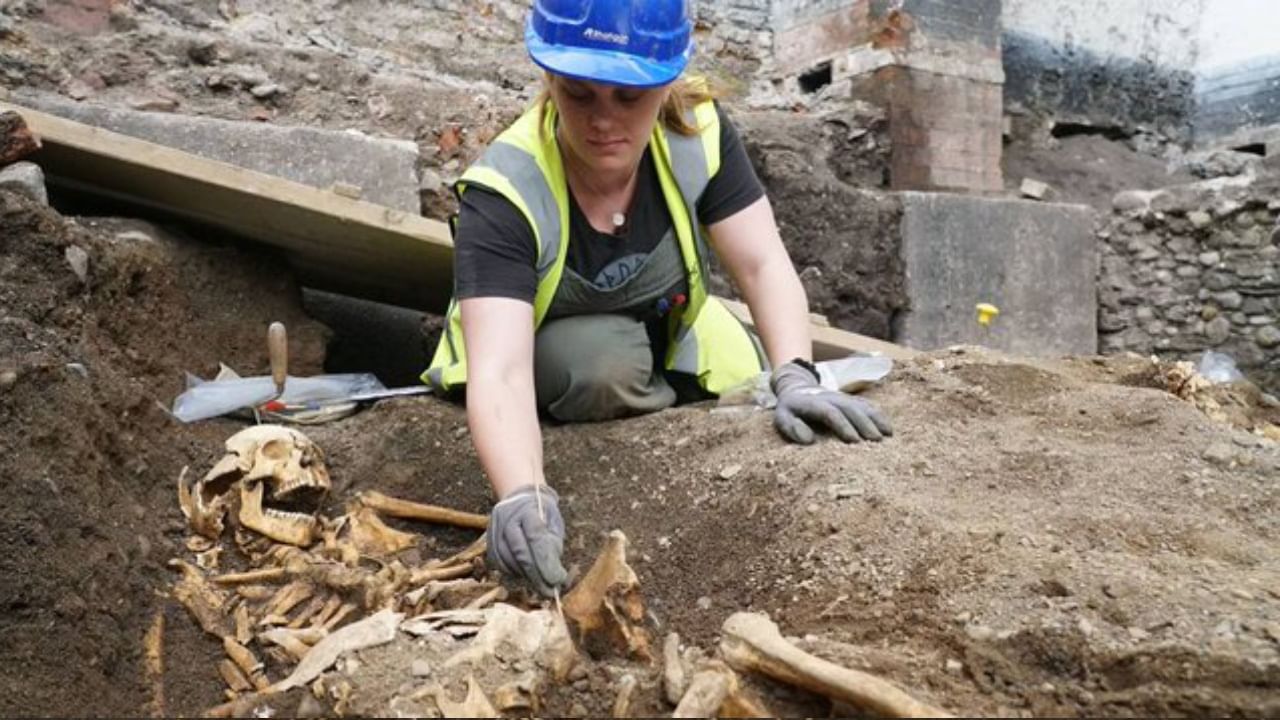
{"points": [[617, 273]]}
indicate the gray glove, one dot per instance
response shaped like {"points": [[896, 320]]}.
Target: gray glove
{"points": [[802, 401], [521, 544]]}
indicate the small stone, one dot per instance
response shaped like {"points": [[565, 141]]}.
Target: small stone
{"points": [[1230, 300], [1086, 627], [1272, 630], [1242, 593], [1131, 201], [27, 179], [812, 508], [577, 710], [8, 379], [1199, 219], [1268, 337], [964, 617], [79, 369], [1219, 453], [420, 668], [1048, 688], [578, 672], [728, 472], [954, 667], [1218, 330], [704, 603], [265, 90], [845, 491], [1208, 312], [1034, 189], [980, 633], [1138, 634], [313, 78], [1209, 259], [78, 259]]}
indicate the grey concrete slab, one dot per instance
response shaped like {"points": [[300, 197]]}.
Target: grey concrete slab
{"points": [[384, 170], [1036, 262]]}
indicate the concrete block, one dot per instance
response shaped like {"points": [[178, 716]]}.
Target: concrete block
{"points": [[384, 170], [25, 178], [1035, 261]]}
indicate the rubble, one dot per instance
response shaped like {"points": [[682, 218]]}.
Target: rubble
{"points": [[26, 178]]}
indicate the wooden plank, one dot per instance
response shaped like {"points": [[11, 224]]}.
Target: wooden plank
{"points": [[830, 343], [334, 242]]}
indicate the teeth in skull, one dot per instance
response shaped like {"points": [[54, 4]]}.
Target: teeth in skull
{"points": [[285, 515]]}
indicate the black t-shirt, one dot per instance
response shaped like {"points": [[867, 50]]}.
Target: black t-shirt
{"points": [[495, 253]]}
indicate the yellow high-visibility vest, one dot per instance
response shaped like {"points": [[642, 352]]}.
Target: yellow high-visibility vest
{"points": [[523, 165]]}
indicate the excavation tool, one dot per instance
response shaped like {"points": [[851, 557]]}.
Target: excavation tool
{"points": [[278, 353]]}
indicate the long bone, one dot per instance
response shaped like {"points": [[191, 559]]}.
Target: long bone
{"points": [[409, 510], [752, 642]]}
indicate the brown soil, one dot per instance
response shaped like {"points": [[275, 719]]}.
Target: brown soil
{"points": [[1080, 542]]}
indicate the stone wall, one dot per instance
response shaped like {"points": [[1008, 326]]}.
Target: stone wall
{"points": [[1193, 268]]}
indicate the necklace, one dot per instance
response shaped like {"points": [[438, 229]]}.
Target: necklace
{"points": [[619, 220]]}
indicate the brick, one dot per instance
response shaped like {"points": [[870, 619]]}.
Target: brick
{"points": [[821, 37]]}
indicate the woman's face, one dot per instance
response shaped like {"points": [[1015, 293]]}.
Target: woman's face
{"points": [[605, 127]]}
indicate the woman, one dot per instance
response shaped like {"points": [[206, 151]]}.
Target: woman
{"points": [[581, 250]]}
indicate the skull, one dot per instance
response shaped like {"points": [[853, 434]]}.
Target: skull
{"points": [[256, 457]]}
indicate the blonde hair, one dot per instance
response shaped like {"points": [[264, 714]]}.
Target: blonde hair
{"points": [[685, 94]]}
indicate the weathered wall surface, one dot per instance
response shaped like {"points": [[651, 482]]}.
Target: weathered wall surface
{"points": [[1238, 74], [1105, 63], [1189, 269]]}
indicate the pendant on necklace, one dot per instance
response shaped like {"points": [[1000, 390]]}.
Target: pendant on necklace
{"points": [[619, 220]]}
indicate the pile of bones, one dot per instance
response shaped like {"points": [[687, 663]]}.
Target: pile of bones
{"points": [[326, 605]]}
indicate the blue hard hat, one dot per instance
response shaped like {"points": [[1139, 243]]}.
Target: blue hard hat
{"points": [[639, 43]]}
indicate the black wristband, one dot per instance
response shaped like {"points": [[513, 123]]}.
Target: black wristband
{"points": [[807, 365]]}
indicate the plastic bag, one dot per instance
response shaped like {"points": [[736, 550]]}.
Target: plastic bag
{"points": [[205, 399], [1218, 367], [850, 374]]}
